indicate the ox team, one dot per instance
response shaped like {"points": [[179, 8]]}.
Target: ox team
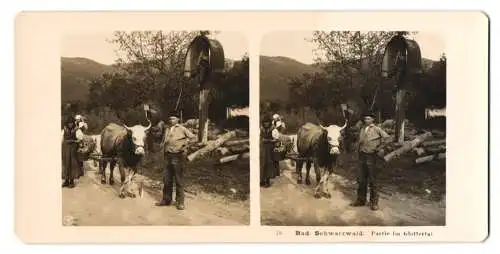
{"points": [[320, 146], [124, 146]]}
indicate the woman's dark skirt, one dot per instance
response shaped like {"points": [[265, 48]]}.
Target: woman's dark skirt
{"points": [[71, 168]]}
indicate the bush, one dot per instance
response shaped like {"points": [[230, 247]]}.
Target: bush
{"points": [[97, 120], [238, 122]]}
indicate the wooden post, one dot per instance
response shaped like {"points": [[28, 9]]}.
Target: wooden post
{"points": [[400, 116], [203, 114], [204, 57], [402, 61]]}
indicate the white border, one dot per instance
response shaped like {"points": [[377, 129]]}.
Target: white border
{"points": [[7, 18]]}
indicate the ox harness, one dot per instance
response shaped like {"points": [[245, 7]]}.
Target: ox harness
{"points": [[72, 141], [285, 148]]}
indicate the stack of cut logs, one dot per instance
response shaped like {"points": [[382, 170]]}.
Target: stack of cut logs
{"points": [[225, 147], [424, 147]]}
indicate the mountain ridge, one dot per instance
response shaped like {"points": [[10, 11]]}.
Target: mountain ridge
{"points": [[77, 72], [276, 71]]}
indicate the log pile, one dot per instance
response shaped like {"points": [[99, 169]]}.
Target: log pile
{"points": [[233, 150], [222, 146], [421, 147]]}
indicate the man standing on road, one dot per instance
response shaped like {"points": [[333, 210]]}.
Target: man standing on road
{"points": [[176, 140], [371, 140]]}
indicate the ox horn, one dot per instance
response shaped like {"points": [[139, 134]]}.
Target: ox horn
{"points": [[124, 125], [146, 109], [149, 126], [345, 125]]}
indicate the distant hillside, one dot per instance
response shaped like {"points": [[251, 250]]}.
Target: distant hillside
{"points": [[74, 72], [276, 71]]}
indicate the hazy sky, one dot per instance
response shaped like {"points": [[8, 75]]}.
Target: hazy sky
{"points": [[293, 44], [94, 46], [286, 43]]}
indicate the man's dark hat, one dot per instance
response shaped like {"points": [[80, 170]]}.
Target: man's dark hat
{"points": [[369, 113], [68, 119], [174, 113], [267, 119]]}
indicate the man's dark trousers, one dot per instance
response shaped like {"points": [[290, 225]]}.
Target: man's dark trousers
{"points": [[368, 172], [174, 171]]}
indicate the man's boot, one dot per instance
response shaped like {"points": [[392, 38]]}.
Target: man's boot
{"points": [[373, 199], [262, 183], [65, 184], [164, 202], [359, 202], [267, 183], [374, 204], [180, 206]]}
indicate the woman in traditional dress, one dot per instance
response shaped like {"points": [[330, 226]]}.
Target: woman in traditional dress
{"points": [[279, 149], [83, 145], [267, 170], [71, 169], [278, 119]]}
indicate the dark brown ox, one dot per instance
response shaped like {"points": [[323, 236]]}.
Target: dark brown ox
{"points": [[123, 145], [319, 145]]}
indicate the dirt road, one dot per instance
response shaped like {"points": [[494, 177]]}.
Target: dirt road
{"points": [[286, 203], [93, 204]]}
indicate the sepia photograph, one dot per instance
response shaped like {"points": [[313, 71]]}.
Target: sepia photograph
{"points": [[155, 128], [353, 128], [143, 123]]}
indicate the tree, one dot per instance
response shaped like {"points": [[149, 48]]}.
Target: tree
{"points": [[96, 94], [353, 60], [151, 65], [318, 92], [436, 84], [154, 61], [234, 84], [299, 93]]}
